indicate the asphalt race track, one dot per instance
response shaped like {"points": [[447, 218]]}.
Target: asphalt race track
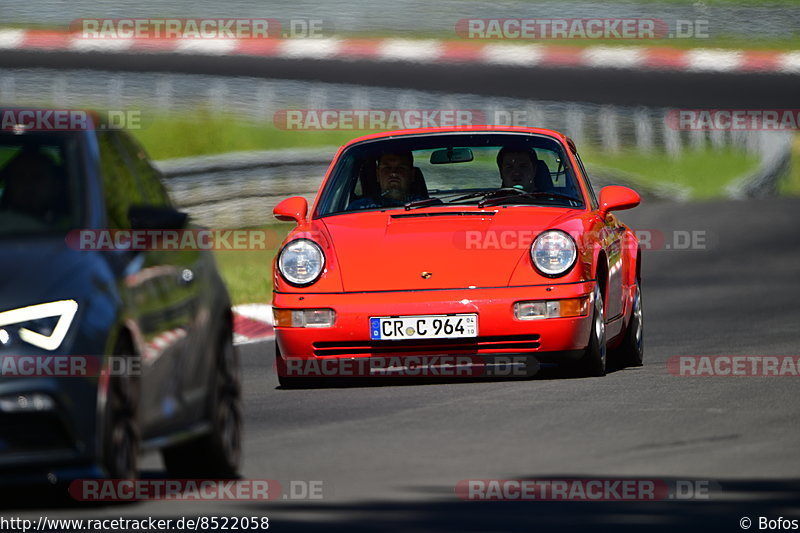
{"points": [[390, 456]]}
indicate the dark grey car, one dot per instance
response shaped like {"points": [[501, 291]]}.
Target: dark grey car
{"points": [[166, 313]]}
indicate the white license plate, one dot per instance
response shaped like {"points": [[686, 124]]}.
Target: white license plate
{"points": [[423, 327]]}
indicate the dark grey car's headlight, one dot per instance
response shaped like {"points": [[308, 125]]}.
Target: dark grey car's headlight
{"points": [[553, 252], [42, 325], [301, 262]]}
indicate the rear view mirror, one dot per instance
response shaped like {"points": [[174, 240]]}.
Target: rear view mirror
{"points": [[451, 155]]}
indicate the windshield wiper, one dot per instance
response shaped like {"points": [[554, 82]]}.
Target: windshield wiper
{"points": [[519, 193], [485, 194], [438, 200], [490, 197], [422, 203]]}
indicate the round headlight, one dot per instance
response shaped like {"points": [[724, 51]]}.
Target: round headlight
{"points": [[301, 262], [553, 252]]}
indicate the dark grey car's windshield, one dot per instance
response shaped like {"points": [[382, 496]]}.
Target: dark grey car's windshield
{"points": [[39, 187], [451, 169]]}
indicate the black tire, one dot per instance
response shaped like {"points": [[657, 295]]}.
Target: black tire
{"points": [[217, 454], [631, 351], [593, 362], [121, 435]]}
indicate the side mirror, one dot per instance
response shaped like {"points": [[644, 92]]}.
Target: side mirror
{"points": [[292, 209], [144, 217], [617, 198]]}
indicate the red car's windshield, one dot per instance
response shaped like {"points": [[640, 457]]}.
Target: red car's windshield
{"points": [[450, 169]]}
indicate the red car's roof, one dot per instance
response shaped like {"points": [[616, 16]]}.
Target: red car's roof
{"points": [[460, 129]]}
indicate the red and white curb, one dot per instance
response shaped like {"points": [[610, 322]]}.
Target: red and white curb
{"points": [[252, 323], [158, 344], [424, 51]]}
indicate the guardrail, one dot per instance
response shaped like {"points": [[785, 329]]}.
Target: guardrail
{"points": [[775, 165], [240, 189]]}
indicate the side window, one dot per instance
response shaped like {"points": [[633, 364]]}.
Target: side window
{"points": [[588, 182], [148, 178], [120, 189]]}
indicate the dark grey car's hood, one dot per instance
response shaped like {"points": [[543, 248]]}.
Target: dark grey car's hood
{"points": [[43, 270]]}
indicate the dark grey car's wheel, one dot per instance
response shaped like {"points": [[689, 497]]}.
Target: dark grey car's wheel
{"points": [[593, 362], [631, 351], [121, 430], [216, 454]]}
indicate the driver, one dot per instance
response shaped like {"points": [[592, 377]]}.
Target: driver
{"points": [[31, 185], [517, 168], [395, 173]]}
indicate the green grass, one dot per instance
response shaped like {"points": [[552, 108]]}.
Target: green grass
{"points": [[204, 133], [703, 172]]}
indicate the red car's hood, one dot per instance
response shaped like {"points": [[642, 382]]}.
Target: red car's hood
{"points": [[458, 247]]}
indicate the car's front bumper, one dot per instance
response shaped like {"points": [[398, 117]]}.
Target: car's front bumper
{"points": [[499, 332], [60, 438]]}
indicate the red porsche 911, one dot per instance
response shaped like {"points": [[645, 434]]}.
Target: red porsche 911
{"points": [[467, 245]]}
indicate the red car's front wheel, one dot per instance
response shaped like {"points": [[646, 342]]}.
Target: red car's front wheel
{"points": [[631, 351], [593, 362]]}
